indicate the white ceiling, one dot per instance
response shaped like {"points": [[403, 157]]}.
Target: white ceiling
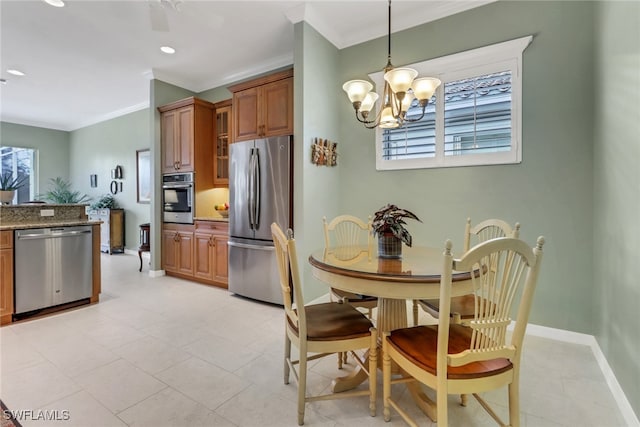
{"points": [[92, 60]]}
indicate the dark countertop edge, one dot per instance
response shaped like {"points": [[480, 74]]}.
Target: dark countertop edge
{"points": [[20, 226], [210, 218]]}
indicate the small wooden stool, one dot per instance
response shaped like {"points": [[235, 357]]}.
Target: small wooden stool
{"points": [[145, 241]]}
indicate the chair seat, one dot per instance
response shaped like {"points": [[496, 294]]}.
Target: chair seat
{"points": [[350, 297], [419, 344], [463, 305], [334, 321]]}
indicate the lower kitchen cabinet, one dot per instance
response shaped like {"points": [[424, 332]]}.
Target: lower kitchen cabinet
{"points": [[177, 249], [6, 276], [211, 252], [197, 252]]}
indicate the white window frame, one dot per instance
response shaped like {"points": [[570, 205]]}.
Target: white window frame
{"points": [[505, 56]]}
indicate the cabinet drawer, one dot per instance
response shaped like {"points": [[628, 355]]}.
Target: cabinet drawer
{"points": [[217, 227]]}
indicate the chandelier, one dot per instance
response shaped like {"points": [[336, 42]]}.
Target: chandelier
{"points": [[401, 87]]}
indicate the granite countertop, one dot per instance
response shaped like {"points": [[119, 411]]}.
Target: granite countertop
{"points": [[23, 225]]}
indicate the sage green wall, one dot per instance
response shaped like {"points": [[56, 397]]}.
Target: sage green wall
{"points": [[52, 146], [161, 93], [617, 191], [549, 193], [316, 188], [97, 149]]}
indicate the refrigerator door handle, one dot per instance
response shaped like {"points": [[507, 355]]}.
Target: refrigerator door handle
{"points": [[256, 213], [248, 246], [251, 192]]}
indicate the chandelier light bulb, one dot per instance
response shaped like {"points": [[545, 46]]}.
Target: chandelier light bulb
{"points": [[368, 102], [400, 79], [406, 102], [424, 87], [357, 90], [387, 119]]}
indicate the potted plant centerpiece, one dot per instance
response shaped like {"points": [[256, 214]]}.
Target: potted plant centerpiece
{"points": [[8, 187], [388, 224]]}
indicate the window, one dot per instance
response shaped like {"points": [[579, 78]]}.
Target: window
{"points": [[20, 162], [474, 118]]}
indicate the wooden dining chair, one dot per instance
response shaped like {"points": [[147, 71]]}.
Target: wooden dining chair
{"points": [[319, 330], [456, 359], [347, 239], [462, 307]]}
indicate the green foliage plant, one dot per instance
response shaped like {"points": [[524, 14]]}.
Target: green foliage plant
{"points": [[60, 192], [390, 219], [9, 183], [106, 201]]}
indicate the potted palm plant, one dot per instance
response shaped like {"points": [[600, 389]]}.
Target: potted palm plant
{"points": [[9, 185], [61, 193], [389, 225]]}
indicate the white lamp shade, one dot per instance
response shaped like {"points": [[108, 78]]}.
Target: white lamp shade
{"points": [[387, 120], [400, 79], [368, 102], [406, 101], [357, 90], [424, 87]]}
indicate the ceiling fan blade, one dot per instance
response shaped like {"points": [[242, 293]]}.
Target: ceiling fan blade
{"points": [[158, 15]]}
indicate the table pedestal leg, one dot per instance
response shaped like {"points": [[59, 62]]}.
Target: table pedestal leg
{"points": [[392, 314], [140, 255]]}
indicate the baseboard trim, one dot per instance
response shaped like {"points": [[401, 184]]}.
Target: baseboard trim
{"points": [[156, 273], [589, 340]]}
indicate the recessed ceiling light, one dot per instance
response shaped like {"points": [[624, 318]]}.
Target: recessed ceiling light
{"points": [[3, 81], [168, 49], [55, 3], [15, 72]]}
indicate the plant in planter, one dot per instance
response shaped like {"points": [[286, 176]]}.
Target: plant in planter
{"points": [[388, 224], [61, 193], [9, 185], [107, 201]]}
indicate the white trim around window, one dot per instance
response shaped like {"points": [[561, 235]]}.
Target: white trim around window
{"points": [[497, 58]]}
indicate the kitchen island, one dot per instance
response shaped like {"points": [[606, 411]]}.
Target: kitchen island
{"points": [[46, 220]]}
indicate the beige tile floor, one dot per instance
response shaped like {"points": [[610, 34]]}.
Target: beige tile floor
{"points": [[167, 352]]}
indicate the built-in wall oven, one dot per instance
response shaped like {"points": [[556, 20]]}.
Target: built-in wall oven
{"points": [[177, 198]]}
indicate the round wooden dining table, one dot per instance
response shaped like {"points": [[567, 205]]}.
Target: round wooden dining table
{"points": [[416, 275]]}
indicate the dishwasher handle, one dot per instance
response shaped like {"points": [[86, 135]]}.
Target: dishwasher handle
{"points": [[55, 233]]}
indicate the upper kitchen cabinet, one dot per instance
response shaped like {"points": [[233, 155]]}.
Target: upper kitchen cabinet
{"points": [[222, 140], [263, 107], [187, 136]]}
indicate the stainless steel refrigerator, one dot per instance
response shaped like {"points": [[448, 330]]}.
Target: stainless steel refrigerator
{"points": [[260, 192]]}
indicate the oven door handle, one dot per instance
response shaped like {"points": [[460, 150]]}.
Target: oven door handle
{"points": [[179, 186]]}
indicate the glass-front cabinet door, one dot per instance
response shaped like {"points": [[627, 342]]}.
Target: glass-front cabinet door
{"points": [[222, 140]]}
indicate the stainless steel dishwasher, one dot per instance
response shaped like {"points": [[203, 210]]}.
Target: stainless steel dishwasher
{"points": [[53, 266]]}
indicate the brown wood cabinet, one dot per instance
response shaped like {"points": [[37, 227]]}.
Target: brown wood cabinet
{"points": [[111, 230], [6, 276], [211, 252], [187, 136], [263, 107], [177, 249], [197, 252], [222, 140]]}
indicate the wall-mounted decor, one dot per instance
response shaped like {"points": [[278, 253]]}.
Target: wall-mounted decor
{"points": [[114, 187], [324, 152], [143, 174], [94, 180], [117, 172]]}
